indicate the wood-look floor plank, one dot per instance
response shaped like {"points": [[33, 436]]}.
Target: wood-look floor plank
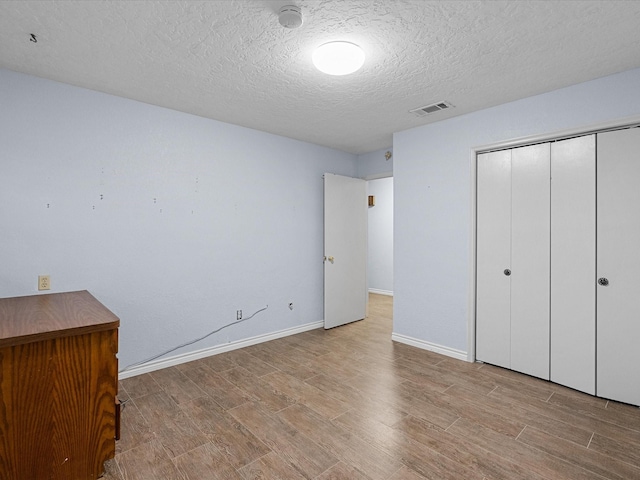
{"points": [[218, 363], [378, 379], [523, 416], [291, 348], [429, 462], [134, 428], [244, 359], [577, 401], [622, 408], [421, 376], [586, 405], [534, 460], [438, 375], [271, 466], [177, 385], [340, 471], [624, 451], [568, 416], [418, 408], [234, 441], [518, 382], [309, 344], [140, 385], [147, 462], [258, 388], [307, 394], [465, 451], [111, 471], [417, 355], [479, 413], [415, 440], [224, 393], [405, 473], [339, 442], [591, 460], [205, 462], [172, 427], [387, 413], [293, 445], [282, 362], [340, 367], [469, 379]]}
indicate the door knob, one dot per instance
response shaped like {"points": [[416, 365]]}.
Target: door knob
{"points": [[331, 259], [603, 281], [507, 272]]}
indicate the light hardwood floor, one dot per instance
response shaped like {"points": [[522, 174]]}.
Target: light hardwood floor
{"points": [[349, 403]]}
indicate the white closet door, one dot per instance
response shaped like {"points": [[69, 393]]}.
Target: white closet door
{"points": [[493, 330], [573, 263], [618, 320], [530, 252]]}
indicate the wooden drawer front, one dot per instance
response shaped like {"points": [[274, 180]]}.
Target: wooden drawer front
{"points": [[57, 407]]}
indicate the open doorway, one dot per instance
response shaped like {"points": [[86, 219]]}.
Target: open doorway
{"points": [[380, 244]]}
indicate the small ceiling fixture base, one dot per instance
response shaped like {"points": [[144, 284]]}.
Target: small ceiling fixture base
{"points": [[290, 16], [338, 58]]}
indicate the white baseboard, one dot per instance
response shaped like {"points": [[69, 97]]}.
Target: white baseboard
{"points": [[381, 292], [207, 352], [432, 347]]}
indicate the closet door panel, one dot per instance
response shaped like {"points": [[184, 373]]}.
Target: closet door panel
{"points": [[573, 263], [618, 308], [530, 251], [493, 334]]}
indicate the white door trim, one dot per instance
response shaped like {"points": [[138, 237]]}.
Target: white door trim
{"points": [[517, 142]]}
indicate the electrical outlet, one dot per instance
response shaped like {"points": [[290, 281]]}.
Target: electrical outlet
{"points": [[44, 282], [239, 315]]}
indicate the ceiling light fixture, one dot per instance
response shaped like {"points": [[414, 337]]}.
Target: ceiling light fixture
{"points": [[338, 58]]}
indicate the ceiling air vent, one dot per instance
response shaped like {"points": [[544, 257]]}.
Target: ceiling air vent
{"points": [[429, 109]]}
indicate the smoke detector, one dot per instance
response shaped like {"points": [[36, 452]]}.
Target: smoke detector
{"points": [[290, 16]]}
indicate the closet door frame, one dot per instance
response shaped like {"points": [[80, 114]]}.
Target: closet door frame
{"points": [[503, 145]]}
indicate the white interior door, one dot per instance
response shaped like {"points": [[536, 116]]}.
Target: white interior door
{"points": [[493, 287], [345, 250], [573, 263], [530, 252], [618, 308]]}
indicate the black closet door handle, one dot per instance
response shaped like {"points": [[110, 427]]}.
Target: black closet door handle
{"points": [[603, 281], [507, 272]]}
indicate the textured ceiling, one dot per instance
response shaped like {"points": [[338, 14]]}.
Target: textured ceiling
{"points": [[232, 61]]}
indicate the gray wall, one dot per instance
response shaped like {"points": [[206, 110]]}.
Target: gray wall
{"points": [[173, 221], [176, 221], [374, 164], [432, 182]]}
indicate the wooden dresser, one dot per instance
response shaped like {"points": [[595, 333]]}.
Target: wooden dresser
{"points": [[58, 385]]}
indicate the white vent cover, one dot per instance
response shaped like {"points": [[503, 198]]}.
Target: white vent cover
{"points": [[429, 109]]}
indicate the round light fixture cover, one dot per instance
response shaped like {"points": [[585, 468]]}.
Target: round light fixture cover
{"points": [[338, 58], [290, 16]]}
